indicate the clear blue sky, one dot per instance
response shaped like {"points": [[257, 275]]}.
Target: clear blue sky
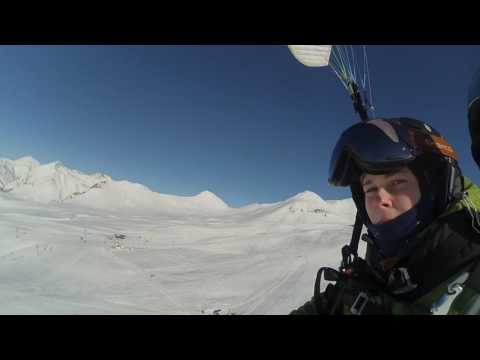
{"points": [[248, 123]]}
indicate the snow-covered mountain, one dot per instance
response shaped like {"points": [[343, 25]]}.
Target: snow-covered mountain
{"points": [[305, 207], [87, 244], [27, 179], [346, 206]]}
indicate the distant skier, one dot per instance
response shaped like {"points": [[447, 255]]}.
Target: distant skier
{"points": [[474, 116], [422, 217]]}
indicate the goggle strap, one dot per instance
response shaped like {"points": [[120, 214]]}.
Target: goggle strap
{"points": [[432, 144]]}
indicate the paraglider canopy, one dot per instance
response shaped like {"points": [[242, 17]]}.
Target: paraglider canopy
{"points": [[312, 55], [344, 60]]}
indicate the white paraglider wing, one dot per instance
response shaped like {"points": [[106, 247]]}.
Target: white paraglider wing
{"points": [[345, 61], [312, 55]]}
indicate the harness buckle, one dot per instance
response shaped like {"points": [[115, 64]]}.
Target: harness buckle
{"points": [[359, 303]]}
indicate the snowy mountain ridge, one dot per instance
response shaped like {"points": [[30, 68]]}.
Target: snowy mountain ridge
{"points": [[29, 180]]}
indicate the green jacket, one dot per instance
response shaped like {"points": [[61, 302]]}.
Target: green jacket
{"points": [[440, 274]]}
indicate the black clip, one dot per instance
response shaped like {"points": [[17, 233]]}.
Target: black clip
{"points": [[359, 304]]}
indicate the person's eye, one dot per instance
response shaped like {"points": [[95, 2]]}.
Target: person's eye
{"points": [[398, 182]]}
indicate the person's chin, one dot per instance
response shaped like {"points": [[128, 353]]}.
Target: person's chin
{"points": [[384, 220]]}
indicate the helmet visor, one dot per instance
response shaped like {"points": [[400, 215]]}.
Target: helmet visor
{"points": [[372, 147]]}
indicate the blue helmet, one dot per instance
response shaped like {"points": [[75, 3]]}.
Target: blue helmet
{"points": [[385, 145], [474, 116], [474, 97]]}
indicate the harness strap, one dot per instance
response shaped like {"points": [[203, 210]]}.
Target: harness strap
{"points": [[352, 248]]}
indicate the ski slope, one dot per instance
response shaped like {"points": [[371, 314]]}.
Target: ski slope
{"points": [[114, 249]]}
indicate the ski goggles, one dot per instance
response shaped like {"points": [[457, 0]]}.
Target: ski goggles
{"points": [[380, 146], [374, 147]]}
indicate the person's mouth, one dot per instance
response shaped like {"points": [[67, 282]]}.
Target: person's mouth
{"points": [[384, 219]]}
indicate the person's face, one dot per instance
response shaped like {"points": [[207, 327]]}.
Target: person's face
{"points": [[389, 196]]}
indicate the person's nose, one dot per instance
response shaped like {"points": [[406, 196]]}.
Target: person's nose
{"points": [[384, 198]]}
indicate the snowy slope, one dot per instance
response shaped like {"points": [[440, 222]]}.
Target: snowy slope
{"points": [[305, 208], [90, 254], [27, 179], [345, 206], [69, 259], [126, 196]]}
